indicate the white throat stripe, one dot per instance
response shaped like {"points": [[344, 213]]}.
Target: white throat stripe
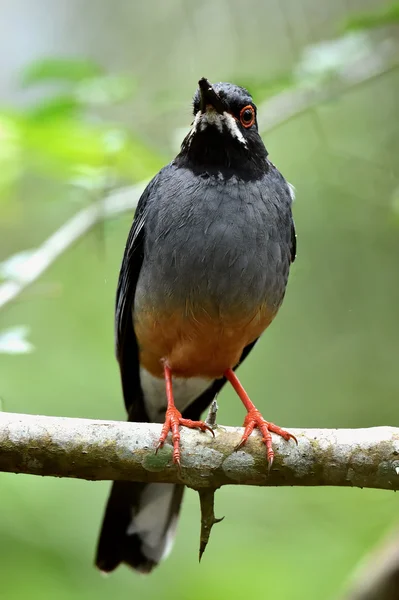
{"points": [[220, 121]]}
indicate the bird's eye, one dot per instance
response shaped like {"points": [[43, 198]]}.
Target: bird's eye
{"points": [[247, 116]]}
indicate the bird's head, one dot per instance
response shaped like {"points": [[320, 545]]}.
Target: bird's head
{"points": [[224, 134]]}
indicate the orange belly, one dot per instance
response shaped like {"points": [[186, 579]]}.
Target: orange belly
{"points": [[196, 345]]}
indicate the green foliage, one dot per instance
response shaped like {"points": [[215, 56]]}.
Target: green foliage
{"points": [[55, 137], [262, 89], [388, 15], [59, 69]]}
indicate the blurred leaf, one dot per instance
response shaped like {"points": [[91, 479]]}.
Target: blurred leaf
{"points": [[138, 161], [92, 179], [55, 137], [263, 89], [60, 106], [115, 139], [62, 146], [10, 153], [59, 69], [107, 89], [379, 18], [63, 142], [325, 60], [13, 341]]}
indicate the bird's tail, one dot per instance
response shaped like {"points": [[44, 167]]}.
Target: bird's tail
{"points": [[139, 525]]}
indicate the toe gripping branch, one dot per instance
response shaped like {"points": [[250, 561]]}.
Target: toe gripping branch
{"points": [[174, 419], [254, 419]]}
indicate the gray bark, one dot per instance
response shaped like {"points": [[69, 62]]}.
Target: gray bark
{"points": [[98, 450]]}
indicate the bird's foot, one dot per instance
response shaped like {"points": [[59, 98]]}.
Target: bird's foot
{"points": [[173, 419], [255, 419]]}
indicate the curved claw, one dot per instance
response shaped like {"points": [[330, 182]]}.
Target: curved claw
{"points": [[176, 461], [173, 420], [159, 446], [255, 419], [207, 428], [196, 425], [239, 446]]}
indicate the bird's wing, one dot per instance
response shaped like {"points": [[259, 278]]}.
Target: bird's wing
{"points": [[125, 338], [293, 242]]}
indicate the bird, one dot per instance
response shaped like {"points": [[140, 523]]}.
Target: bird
{"points": [[204, 273]]}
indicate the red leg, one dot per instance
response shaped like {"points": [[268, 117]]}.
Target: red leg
{"points": [[173, 420], [255, 419]]}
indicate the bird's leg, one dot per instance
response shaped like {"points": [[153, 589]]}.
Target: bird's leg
{"points": [[173, 419], [255, 419]]}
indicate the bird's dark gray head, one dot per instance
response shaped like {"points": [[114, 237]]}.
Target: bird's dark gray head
{"points": [[224, 134]]}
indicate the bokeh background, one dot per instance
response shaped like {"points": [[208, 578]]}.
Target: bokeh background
{"points": [[96, 95]]}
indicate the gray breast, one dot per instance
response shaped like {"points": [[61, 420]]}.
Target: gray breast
{"points": [[221, 245]]}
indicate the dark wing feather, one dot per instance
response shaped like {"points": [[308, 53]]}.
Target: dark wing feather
{"points": [[125, 338], [116, 543], [293, 242]]}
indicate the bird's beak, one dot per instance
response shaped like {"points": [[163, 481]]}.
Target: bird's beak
{"points": [[209, 98]]}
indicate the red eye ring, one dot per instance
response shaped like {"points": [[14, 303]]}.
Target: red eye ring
{"points": [[247, 116]]}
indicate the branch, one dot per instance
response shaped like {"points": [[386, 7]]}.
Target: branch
{"points": [[377, 576], [95, 450], [39, 260], [208, 519], [296, 101]]}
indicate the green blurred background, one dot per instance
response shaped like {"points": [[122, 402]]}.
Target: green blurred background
{"points": [[96, 95]]}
